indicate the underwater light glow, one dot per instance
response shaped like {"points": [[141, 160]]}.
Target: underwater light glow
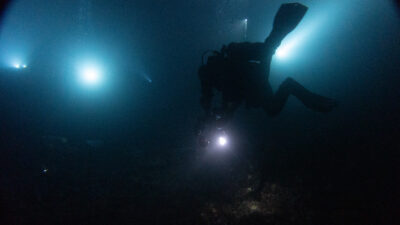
{"points": [[148, 79], [90, 75], [289, 45], [297, 41], [19, 66], [222, 141]]}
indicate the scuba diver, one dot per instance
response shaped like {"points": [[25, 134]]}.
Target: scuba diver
{"points": [[240, 73]]}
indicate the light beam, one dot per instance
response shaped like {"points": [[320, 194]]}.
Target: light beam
{"points": [[90, 75]]}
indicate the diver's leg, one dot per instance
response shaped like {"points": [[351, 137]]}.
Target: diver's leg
{"points": [[311, 100], [273, 104]]}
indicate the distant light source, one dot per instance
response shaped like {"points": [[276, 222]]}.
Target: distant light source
{"points": [[222, 141], [148, 79], [245, 29], [90, 75], [286, 47], [281, 52], [19, 66], [293, 45]]}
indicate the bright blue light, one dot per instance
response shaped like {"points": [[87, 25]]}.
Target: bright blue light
{"points": [[294, 44], [16, 62], [289, 46], [19, 66], [91, 75]]}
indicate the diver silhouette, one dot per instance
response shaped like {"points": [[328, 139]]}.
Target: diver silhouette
{"points": [[240, 72]]}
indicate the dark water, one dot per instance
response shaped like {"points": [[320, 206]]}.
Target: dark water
{"points": [[126, 153]]}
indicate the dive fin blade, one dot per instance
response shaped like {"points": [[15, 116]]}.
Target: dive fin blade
{"points": [[288, 17]]}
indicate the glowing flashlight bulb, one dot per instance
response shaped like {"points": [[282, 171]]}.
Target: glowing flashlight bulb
{"points": [[222, 141], [17, 66]]}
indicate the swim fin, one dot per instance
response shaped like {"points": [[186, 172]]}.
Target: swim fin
{"points": [[288, 17]]}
